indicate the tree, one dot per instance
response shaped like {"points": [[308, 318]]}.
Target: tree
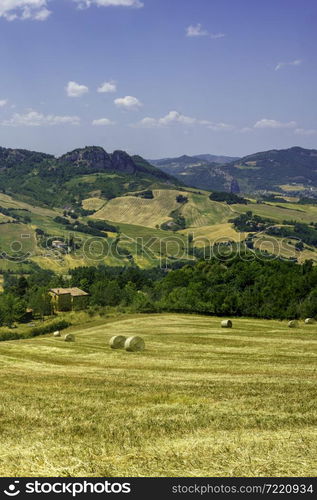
{"points": [[11, 309], [40, 302]]}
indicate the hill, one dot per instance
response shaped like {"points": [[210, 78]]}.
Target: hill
{"points": [[201, 171], [89, 206], [290, 170], [199, 401], [38, 177], [275, 169]]}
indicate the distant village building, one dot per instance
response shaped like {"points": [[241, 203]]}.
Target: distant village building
{"points": [[68, 299], [58, 244]]}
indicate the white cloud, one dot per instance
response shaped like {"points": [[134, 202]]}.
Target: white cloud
{"points": [[36, 119], [128, 102], [101, 122], [82, 4], [174, 117], [296, 62], [266, 123], [74, 89], [37, 10], [303, 131], [24, 10], [107, 87], [221, 127], [3, 102], [197, 30]]}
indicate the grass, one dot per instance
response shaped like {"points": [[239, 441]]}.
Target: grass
{"points": [[138, 220], [201, 211], [93, 203], [140, 211], [199, 401], [279, 213], [215, 233], [291, 187]]}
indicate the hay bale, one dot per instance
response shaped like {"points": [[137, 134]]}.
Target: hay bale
{"points": [[133, 344], [69, 337], [310, 321], [117, 342], [292, 324], [226, 323], [57, 334]]}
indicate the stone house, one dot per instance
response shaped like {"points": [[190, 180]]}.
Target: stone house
{"points": [[68, 299]]}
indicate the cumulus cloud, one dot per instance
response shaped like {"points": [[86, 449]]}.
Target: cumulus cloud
{"points": [[102, 122], [35, 119], [280, 65], [174, 117], [197, 30], [35, 10], [3, 102], [266, 123], [82, 4], [128, 102], [107, 87], [74, 89]]}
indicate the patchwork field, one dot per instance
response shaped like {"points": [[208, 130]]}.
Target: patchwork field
{"points": [[201, 211], [140, 211], [214, 233], [279, 213], [140, 240], [199, 401]]}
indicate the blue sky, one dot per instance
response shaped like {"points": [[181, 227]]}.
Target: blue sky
{"points": [[158, 77]]}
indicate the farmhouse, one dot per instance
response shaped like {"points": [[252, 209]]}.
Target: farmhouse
{"points": [[67, 299], [58, 244]]}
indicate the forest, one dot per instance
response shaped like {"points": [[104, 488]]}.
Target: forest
{"points": [[236, 286]]}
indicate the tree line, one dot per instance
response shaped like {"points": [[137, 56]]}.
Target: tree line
{"points": [[271, 289]]}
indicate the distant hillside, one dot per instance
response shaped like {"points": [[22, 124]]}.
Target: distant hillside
{"points": [[293, 169], [272, 169], [185, 159], [201, 171], [75, 175], [217, 159]]}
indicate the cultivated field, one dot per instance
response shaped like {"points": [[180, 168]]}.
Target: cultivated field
{"points": [[282, 212], [140, 211], [199, 401]]}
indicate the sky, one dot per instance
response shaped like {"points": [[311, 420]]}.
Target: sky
{"points": [[159, 78]]}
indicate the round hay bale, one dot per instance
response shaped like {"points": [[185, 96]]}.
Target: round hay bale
{"points": [[56, 334], [310, 321], [133, 344], [226, 323], [117, 342], [69, 337], [292, 324]]}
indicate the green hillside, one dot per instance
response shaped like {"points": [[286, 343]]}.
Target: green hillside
{"points": [[283, 171], [50, 181], [146, 217]]}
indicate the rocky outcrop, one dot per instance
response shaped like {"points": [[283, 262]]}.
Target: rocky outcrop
{"points": [[94, 158], [122, 162]]}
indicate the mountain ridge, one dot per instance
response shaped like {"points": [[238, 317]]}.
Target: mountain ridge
{"points": [[265, 170], [52, 180]]}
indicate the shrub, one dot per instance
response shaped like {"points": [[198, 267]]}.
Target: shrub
{"points": [[9, 336], [56, 325]]}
